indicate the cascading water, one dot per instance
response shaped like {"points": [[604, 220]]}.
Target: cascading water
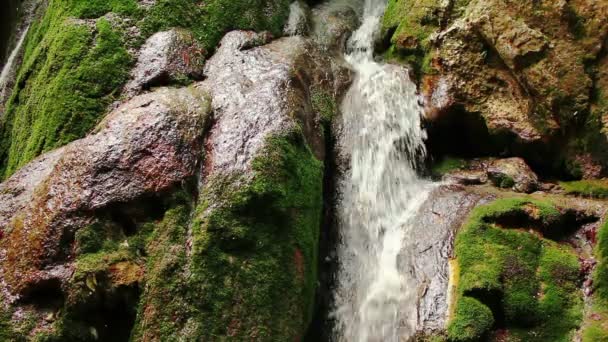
{"points": [[376, 295]]}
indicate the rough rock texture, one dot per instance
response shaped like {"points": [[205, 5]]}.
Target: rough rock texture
{"points": [[522, 66], [169, 56], [432, 246], [513, 173], [147, 146], [252, 246]]}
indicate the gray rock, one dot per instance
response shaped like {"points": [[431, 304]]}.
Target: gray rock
{"points": [[259, 91], [466, 177], [167, 56], [513, 173], [146, 146], [432, 246]]}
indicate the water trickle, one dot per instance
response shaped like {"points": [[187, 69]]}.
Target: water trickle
{"points": [[11, 59], [376, 295]]}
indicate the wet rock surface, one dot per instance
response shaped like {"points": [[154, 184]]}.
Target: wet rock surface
{"points": [[431, 247], [258, 90], [166, 57], [146, 146], [333, 23], [526, 68]]}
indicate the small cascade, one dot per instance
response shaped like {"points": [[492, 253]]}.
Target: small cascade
{"points": [[376, 295], [8, 67]]}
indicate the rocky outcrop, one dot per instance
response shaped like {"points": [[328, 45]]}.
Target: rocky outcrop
{"points": [[145, 147], [77, 223], [521, 66], [252, 247]]}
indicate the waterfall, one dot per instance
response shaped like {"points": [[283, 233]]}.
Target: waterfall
{"points": [[7, 70], [376, 294]]}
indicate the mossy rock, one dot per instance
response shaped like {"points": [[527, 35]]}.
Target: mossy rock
{"points": [[252, 269], [75, 63], [527, 283]]}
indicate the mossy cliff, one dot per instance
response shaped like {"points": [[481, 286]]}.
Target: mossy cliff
{"points": [[76, 60]]}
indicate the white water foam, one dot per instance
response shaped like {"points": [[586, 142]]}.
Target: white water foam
{"points": [[376, 294], [8, 67]]}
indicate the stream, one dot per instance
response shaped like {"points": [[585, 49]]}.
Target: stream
{"points": [[376, 296]]}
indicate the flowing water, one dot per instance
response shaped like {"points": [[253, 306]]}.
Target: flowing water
{"points": [[376, 295]]}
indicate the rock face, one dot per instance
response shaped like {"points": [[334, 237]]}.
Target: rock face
{"points": [[441, 215], [252, 247], [166, 57], [147, 146], [521, 66]]}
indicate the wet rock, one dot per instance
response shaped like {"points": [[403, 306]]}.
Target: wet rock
{"points": [[264, 155], [519, 67], [466, 177], [297, 23], [258, 92], [432, 246], [146, 146], [166, 57], [513, 173], [332, 25]]}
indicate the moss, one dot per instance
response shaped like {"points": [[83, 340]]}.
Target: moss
{"points": [[252, 269], [323, 104], [446, 165], [596, 326], [70, 73], [503, 181], [472, 321], [410, 24], [596, 188], [528, 283], [209, 20]]}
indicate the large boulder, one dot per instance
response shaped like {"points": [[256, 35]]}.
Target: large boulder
{"points": [[146, 147], [248, 260]]}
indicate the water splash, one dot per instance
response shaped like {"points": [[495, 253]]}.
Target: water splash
{"points": [[376, 295]]}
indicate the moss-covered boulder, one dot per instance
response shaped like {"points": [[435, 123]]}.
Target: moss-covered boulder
{"points": [[514, 275]]}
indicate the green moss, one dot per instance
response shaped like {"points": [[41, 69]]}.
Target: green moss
{"points": [[472, 321], [446, 165], [97, 8], [209, 20], [252, 269], [529, 282], [411, 23], [595, 188], [70, 73], [503, 181], [323, 104], [596, 326]]}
